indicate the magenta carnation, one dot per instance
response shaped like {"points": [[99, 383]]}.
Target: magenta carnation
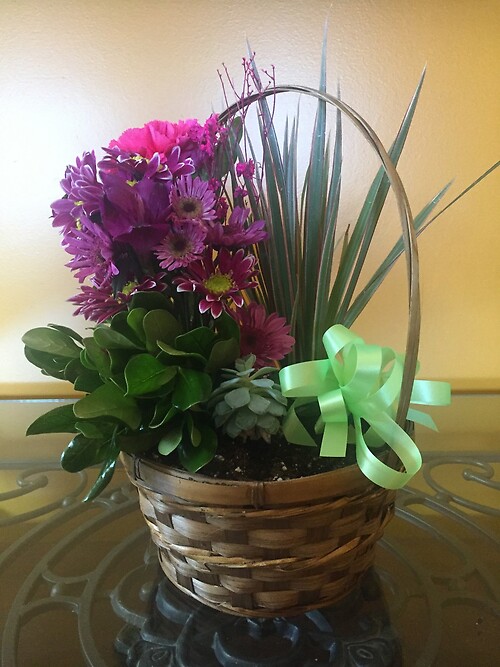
{"points": [[158, 136], [265, 336]]}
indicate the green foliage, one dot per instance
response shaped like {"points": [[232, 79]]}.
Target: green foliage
{"points": [[146, 385], [58, 420]]}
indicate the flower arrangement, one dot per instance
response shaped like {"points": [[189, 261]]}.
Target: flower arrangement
{"points": [[204, 266]]}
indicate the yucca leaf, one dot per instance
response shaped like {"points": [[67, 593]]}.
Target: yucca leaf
{"points": [[422, 221], [376, 280], [349, 270], [331, 216], [315, 188]]}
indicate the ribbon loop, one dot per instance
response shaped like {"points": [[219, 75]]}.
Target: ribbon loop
{"points": [[359, 381]]}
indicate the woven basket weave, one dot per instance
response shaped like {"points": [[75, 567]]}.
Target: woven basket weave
{"points": [[285, 547], [262, 548]]}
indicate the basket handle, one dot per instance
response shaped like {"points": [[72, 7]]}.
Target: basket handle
{"points": [[405, 216]]}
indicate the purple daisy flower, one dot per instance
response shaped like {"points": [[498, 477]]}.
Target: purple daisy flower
{"points": [[235, 233], [193, 199], [92, 251], [83, 194], [183, 244], [220, 280]]}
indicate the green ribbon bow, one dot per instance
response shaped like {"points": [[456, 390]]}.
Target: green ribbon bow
{"points": [[363, 381]]}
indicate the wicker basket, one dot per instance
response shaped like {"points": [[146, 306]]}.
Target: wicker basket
{"points": [[262, 548], [285, 547]]}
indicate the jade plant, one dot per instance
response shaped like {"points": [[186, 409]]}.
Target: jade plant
{"points": [[141, 375]]}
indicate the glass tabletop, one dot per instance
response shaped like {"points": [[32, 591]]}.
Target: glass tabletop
{"points": [[81, 584]]}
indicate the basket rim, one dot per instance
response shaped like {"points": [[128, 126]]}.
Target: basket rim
{"points": [[180, 485]]}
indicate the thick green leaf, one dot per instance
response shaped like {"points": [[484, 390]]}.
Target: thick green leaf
{"points": [[51, 341], [67, 331], [88, 381], [135, 318], [73, 369], [50, 365], [120, 323], [223, 353], [138, 442], [194, 458], [173, 353], [227, 327], [144, 374], [118, 359], [104, 478], [83, 452], [149, 301], [192, 387], [109, 339], [160, 325], [98, 358], [171, 439], [194, 433], [198, 340], [59, 420], [164, 412], [109, 401], [96, 430]]}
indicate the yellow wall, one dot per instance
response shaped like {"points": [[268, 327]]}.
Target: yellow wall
{"points": [[75, 74]]}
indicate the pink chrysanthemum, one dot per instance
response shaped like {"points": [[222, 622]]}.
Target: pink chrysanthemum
{"points": [[97, 302], [265, 336], [183, 244], [220, 280], [193, 199]]}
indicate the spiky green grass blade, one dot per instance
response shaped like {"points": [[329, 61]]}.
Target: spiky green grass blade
{"points": [[350, 269]]}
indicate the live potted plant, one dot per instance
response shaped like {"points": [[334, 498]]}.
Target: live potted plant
{"points": [[204, 265]]}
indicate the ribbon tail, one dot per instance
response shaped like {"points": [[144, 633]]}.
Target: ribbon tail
{"points": [[399, 441], [431, 392], [423, 418], [294, 430], [334, 442]]}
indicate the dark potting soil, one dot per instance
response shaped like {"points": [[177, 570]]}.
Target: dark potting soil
{"points": [[258, 460]]}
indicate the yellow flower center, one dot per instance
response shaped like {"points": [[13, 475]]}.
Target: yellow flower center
{"points": [[219, 283], [129, 287]]}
